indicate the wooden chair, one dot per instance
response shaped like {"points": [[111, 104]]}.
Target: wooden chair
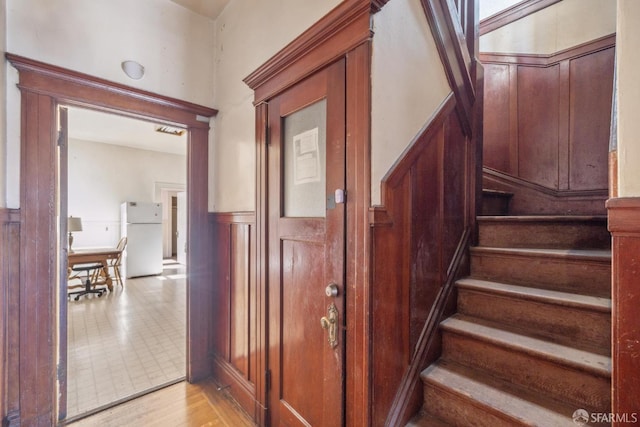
{"points": [[73, 275], [115, 264]]}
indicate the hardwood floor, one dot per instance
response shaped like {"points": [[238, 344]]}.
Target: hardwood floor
{"points": [[181, 404]]}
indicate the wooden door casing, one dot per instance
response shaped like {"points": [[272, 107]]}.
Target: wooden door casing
{"points": [[62, 205], [305, 255], [345, 33], [33, 327]]}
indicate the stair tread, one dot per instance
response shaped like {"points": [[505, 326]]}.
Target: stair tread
{"points": [[603, 255], [498, 396], [542, 218], [498, 192], [538, 294], [488, 331]]}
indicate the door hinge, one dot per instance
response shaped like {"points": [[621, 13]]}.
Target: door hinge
{"points": [[267, 133], [268, 379]]}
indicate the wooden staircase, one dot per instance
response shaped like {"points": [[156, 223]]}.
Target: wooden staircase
{"points": [[530, 342]]}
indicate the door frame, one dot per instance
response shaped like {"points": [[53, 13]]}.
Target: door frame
{"points": [[43, 88], [344, 33], [163, 193]]}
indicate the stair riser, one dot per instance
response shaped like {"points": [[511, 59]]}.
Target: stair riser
{"points": [[580, 276], [495, 204], [563, 324], [554, 235], [583, 389], [460, 410]]}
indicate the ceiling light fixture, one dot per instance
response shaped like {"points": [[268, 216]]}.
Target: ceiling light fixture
{"points": [[133, 69]]}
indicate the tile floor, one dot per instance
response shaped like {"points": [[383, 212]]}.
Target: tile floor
{"points": [[127, 341]]}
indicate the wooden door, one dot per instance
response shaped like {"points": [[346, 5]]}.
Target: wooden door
{"points": [[306, 241]]}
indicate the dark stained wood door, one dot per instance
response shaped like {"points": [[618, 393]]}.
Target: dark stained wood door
{"points": [[306, 241]]}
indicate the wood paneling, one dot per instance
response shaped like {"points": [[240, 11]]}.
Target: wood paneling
{"points": [[43, 88], [624, 224], [496, 102], [538, 125], [547, 125], [9, 309], [419, 242], [234, 320], [591, 91]]}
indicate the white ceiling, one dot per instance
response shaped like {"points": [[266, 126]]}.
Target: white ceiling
{"points": [[89, 125], [208, 8]]}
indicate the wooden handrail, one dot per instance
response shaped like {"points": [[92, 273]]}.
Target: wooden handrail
{"points": [[449, 35]]}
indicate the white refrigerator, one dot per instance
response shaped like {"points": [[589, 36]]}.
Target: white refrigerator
{"points": [[141, 224]]}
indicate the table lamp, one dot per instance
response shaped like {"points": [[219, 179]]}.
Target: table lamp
{"points": [[73, 224]]}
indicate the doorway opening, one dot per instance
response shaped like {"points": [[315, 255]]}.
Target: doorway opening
{"points": [[43, 236], [131, 340], [174, 226]]}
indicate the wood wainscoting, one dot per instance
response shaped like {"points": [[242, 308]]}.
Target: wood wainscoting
{"points": [[624, 225], [419, 240], [235, 320], [546, 127], [9, 300]]}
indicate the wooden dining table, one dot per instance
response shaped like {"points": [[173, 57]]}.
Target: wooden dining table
{"points": [[95, 256]]}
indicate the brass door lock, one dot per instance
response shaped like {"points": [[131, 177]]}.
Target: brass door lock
{"points": [[330, 322]]}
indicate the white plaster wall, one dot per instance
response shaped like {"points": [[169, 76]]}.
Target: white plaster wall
{"points": [[102, 176], [628, 64], [248, 33], [408, 84], [11, 140], [175, 45], [3, 108], [555, 28], [94, 37], [491, 7]]}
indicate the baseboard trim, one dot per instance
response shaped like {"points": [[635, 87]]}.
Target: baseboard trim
{"points": [[235, 384]]}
